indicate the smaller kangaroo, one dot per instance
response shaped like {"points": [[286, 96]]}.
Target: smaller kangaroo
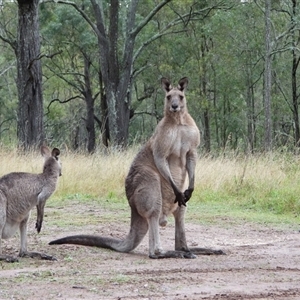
{"points": [[156, 185], [19, 193]]}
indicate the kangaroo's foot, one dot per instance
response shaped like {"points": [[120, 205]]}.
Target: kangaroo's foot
{"points": [[206, 251], [174, 254], [8, 258], [190, 253], [37, 255]]}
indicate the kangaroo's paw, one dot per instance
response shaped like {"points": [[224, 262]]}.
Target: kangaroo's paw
{"points": [[47, 257], [8, 258], [37, 255], [174, 254], [206, 251]]}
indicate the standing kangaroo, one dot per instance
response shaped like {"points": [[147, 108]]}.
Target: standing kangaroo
{"points": [[156, 183], [19, 193]]}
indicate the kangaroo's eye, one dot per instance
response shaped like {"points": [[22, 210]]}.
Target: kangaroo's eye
{"points": [[169, 97], [181, 97]]}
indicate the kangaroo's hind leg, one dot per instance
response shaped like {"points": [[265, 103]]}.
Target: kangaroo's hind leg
{"points": [[147, 200], [6, 231], [154, 237], [180, 238], [23, 248], [181, 248]]}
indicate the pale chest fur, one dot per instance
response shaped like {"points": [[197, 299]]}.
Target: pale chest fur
{"points": [[177, 140], [181, 140], [173, 143]]}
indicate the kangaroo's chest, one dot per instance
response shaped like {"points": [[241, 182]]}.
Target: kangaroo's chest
{"points": [[184, 139]]}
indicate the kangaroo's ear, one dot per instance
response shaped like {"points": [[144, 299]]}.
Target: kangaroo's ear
{"points": [[45, 151], [55, 153], [183, 83], [166, 85]]}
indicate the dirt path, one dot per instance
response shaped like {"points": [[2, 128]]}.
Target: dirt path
{"points": [[261, 263]]}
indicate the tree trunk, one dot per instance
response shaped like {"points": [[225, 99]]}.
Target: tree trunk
{"points": [[250, 112], [89, 100], [30, 129], [114, 78], [206, 115], [295, 98], [295, 65], [103, 123], [267, 78]]}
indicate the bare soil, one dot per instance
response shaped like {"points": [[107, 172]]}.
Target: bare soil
{"points": [[261, 262]]}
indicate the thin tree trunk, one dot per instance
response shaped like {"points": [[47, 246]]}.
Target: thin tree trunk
{"points": [[89, 100], [295, 98], [30, 129], [104, 126], [267, 78], [250, 113], [206, 115], [295, 65]]}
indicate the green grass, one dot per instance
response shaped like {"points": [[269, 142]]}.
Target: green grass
{"points": [[221, 213]]}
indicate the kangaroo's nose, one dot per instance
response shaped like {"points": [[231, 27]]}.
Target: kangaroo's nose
{"points": [[174, 106]]}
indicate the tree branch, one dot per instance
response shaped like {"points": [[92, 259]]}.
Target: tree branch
{"points": [[12, 43], [69, 82], [82, 13], [190, 16], [152, 39], [146, 20], [9, 67], [40, 56], [61, 101]]}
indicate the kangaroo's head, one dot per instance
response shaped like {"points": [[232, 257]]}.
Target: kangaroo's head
{"points": [[52, 165], [175, 101]]}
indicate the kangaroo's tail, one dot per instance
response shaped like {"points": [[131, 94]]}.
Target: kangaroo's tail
{"points": [[138, 229]]}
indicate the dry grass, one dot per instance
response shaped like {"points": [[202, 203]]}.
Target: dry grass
{"points": [[96, 175], [267, 182], [225, 173]]}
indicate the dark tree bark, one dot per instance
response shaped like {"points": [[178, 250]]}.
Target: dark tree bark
{"points": [[104, 126], [90, 101], [29, 79]]}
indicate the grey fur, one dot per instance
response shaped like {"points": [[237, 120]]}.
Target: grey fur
{"points": [[19, 193], [156, 185]]}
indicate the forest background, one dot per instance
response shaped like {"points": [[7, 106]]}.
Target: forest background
{"points": [[101, 64]]}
